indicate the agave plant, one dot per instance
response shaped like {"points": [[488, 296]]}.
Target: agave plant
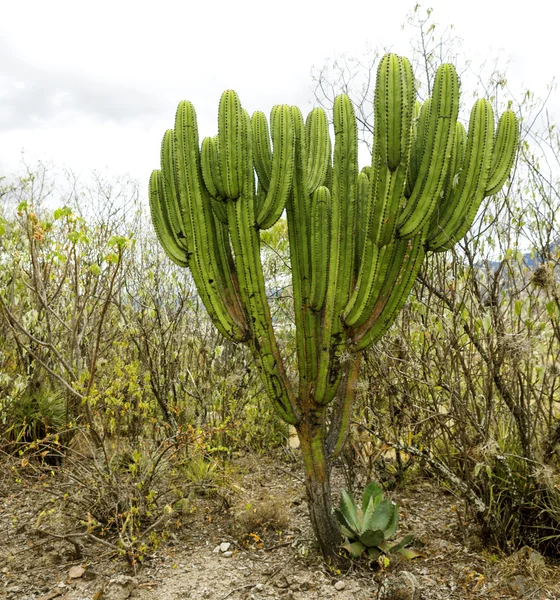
{"points": [[370, 527]]}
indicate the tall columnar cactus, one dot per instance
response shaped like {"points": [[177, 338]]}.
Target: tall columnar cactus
{"points": [[357, 239]]}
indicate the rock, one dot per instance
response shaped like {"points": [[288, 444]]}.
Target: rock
{"points": [[282, 582], [259, 587], [339, 586], [216, 549], [225, 546], [227, 554], [401, 586], [76, 572], [532, 556], [119, 588], [518, 585]]}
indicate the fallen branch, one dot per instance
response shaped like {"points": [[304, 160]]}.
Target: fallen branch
{"points": [[455, 481]]}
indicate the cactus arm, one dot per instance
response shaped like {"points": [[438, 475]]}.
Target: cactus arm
{"points": [[342, 227], [393, 109], [392, 300], [208, 163], [261, 148], [452, 178], [456, 161], [319, 246], [438, 146], [472, 180], [226, 265], [318, 148], [362, 300], [389, 189], [390, 263], [171, 204], [283, 138], [503, 155], [342, 413], [229, 135], [362, 208], [219, 209], [298, 212], [246, 246], [416, 142], [161, 222], [506, 142], [193, 197]]}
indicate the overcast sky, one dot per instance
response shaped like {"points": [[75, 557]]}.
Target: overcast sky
{"points": [[94, 85]]}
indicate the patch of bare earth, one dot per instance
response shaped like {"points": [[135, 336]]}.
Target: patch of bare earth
{"points": [[254, 541]]}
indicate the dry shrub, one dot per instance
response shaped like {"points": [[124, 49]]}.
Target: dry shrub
{"points": [[258, 516], [526, 562]]}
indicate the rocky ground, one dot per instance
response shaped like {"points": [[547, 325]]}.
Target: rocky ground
{"points": [[255, 542]]}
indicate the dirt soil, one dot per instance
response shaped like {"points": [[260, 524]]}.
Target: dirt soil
{"points": [[255, 542]]}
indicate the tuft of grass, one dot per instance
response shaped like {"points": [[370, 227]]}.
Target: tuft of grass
{"points": [[258, 516]]}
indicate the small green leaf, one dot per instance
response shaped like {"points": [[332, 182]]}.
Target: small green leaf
{"points": [[118, 240]]}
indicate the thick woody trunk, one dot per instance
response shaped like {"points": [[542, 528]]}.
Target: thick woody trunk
{"points": [[317, 480]]}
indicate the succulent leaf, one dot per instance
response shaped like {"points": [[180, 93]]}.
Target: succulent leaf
{"points": [[372, 537], [373, 493], [355, 549], [382, 515], [349, 511]]}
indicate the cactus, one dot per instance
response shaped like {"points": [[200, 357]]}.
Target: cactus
{"points": [[357, 239]]}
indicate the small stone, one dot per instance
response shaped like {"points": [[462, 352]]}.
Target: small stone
{"points": [[76, 572], [224, 546], [227, 554], [402, 586], [282, 582], [259, 587], [216, 549], [339, 586]]}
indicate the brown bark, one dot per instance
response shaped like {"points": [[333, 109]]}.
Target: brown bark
{"points": [[311, 433]]}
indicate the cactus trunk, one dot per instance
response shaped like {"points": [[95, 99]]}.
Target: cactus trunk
{"points": [[357, 239], [317, 467]]}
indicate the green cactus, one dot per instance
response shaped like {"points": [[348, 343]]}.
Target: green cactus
{"points": [[357, 239]]}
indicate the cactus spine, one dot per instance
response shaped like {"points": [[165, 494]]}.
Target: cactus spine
{"points": [[357, 240]]}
